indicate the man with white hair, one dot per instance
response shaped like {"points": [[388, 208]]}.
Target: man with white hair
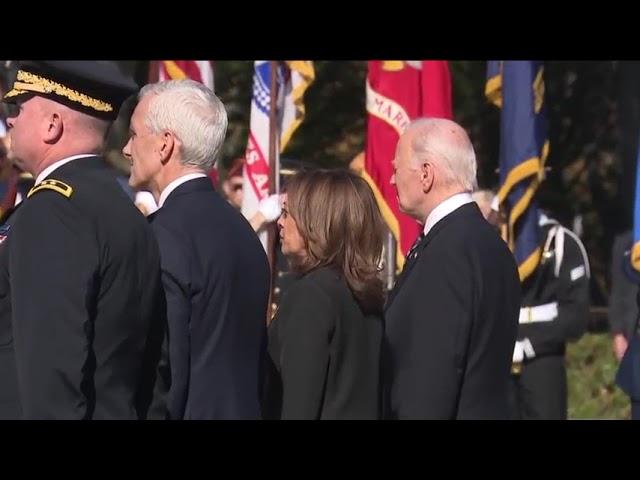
{"points": [[452, 316], [215, 271]]}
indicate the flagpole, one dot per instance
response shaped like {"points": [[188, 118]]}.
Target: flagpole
{"points": [[213, 69], [390, 260], [154, 71], [273, 169]]}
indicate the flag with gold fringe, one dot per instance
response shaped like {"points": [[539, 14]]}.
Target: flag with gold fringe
{"points": [[517, 88], [398, 92], [293, 78]]}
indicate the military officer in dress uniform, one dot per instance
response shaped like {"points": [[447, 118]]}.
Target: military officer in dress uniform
{"points": [[555, 310], [82, 314]]}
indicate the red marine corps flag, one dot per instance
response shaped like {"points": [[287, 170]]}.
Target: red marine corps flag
{"points": [[398, 92]]}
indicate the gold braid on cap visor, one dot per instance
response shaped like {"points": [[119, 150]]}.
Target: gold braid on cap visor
{"points": [[28, 82]]}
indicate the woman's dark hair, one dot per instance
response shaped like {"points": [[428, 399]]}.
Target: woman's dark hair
{"points": [[338, 218]]}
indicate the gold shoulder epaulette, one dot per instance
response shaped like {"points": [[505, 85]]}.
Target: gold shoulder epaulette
{"points": [[50, 184]]}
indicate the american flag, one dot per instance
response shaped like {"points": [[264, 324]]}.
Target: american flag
{"points": [[293, 78]]}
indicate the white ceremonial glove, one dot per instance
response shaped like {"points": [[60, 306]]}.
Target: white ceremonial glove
{"points": [[523, 349], [145, 203], [270, 207]]}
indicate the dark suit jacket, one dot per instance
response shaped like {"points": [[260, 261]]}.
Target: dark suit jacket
{"points": [[82, 314], [628, 375], [216, 278], [623, 310], [451, 323], [324, 353]]}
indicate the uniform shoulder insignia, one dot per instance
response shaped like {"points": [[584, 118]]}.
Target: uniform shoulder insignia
{"points": [[50, 184]]}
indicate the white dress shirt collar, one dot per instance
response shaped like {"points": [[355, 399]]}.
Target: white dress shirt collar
{"points": [[445, 208]]}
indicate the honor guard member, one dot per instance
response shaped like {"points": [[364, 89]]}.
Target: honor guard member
{"points": [[623, 309], [555, 309], [82, 317], [628, 374], [625, 323]]}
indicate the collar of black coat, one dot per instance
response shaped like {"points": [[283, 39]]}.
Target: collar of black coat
{"points": [[194, 185]]}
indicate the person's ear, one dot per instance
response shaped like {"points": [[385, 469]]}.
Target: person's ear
{"points": [[427, 176], [53, 127], [167, 144]]}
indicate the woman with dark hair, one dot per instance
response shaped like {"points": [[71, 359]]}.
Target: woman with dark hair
{"points": [[325, 339]]}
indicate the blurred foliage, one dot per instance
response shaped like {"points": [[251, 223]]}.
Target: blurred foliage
{"points": [[591, 369], [233, 84], [333, 131], [482, 120]]}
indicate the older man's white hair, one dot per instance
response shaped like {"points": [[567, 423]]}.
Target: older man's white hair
{"points": [[446, 144], [193, 113]]}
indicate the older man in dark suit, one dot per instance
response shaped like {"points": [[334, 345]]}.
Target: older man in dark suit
{"points": [[628, 375], [451, 319], [215, 271]]}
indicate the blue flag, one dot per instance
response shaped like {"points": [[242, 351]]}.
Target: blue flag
{"points": [[634, 255], [517, 87]]}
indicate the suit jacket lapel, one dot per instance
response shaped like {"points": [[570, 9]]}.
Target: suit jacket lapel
{"points": [[411, 262], [408, 266]]}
